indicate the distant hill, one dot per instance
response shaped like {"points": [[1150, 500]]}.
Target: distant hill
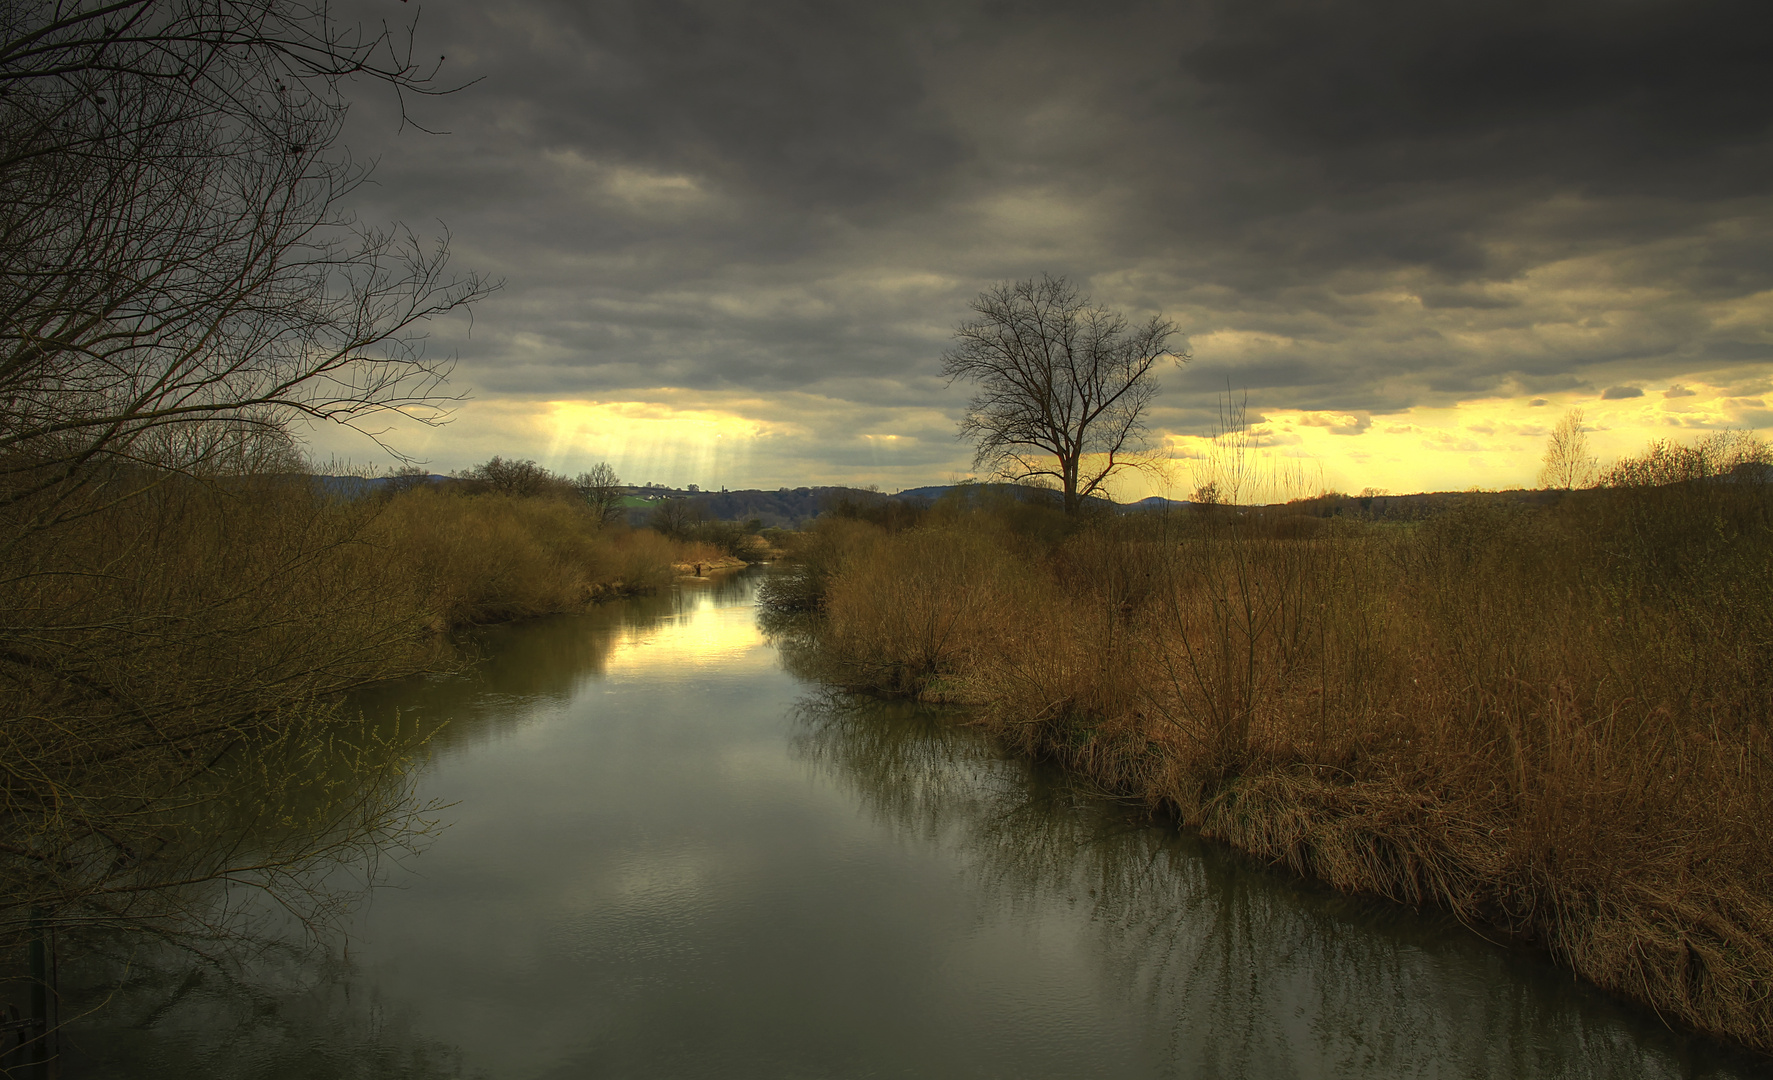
{"points": [[783, 508], [1015, 491], [930, 493], [352, 487], [791, 508], [1155, 502]]}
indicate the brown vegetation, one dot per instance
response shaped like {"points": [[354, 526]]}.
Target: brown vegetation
{"points": [[491, 557], [1556, 720], [173, 663]]}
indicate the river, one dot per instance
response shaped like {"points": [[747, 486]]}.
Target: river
{"points": [[665, 856]]}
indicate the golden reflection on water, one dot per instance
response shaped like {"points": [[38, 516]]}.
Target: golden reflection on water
{"points": [[700, 635]]}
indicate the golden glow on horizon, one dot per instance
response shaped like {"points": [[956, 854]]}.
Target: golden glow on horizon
{"points": [[1489, 444], [675, 437]]}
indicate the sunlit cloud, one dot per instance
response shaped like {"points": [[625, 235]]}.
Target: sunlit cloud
{"points": [[678, 437], [653, 439]]}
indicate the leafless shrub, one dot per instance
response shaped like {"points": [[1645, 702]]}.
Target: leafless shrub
{"points": [[1568, 462]]}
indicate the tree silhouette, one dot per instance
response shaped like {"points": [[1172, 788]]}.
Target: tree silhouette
{"points": [[1063, 385]]}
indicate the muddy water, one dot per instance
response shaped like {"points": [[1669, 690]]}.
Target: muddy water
{"points": [[666, 857]]}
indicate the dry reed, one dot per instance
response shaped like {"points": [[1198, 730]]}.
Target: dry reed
{"points": [[149, 640], [1552, 721]]}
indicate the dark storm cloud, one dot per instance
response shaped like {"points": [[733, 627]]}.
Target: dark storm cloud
{"points": [[814, 105], [1596, 84], [1350, 206]]}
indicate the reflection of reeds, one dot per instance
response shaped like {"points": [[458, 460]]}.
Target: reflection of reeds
{"points": [[265, 1004], [1555, 720], [1247, 975]]}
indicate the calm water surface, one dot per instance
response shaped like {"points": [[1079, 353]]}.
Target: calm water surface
{"points": [[666, 857]]}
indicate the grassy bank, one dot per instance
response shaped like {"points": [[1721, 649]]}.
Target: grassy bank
{"points": [[1550, 719], [159, 626]]}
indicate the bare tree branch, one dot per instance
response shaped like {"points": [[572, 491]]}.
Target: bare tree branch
{"points": [[179, 283], [174, 245]]}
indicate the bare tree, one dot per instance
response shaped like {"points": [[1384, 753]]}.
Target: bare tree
{"points": [[677, 518], [1568, 463], [173, 248], [408, 477], [601, 489], [1063, 385], [521, 478]]}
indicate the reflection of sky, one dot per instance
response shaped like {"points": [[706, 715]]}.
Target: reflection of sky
{"points": [[702, 636]]}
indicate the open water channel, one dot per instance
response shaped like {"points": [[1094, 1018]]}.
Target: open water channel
{"points": [[667, 857]]}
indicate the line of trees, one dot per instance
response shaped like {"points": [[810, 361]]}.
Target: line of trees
{"points": [[599, 488], [1724, 455]]}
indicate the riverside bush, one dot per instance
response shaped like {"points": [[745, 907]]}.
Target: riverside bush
{"points": [[1556, 720], [494, 556]]}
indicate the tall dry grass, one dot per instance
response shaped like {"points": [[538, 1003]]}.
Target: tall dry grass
{"points": [[150, 642], [491, 556], [1554, 721]]}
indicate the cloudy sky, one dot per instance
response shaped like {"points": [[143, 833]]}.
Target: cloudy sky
{"points": [[737, 237]]}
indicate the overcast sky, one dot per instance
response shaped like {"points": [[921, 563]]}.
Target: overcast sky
{"points": [[737, 237]]}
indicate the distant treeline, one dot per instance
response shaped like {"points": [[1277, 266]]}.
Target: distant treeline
{"points": [[783, 508]]}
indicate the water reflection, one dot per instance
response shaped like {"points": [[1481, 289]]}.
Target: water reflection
{"points": [[527, 672], [281, 1008], [1250, 972], [229, 974], [659, 865]]}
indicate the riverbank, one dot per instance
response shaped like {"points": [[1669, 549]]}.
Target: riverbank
{"points": [[484, 557], [205, 627], [1015, 926], [704, 562], [1553, 721]]}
